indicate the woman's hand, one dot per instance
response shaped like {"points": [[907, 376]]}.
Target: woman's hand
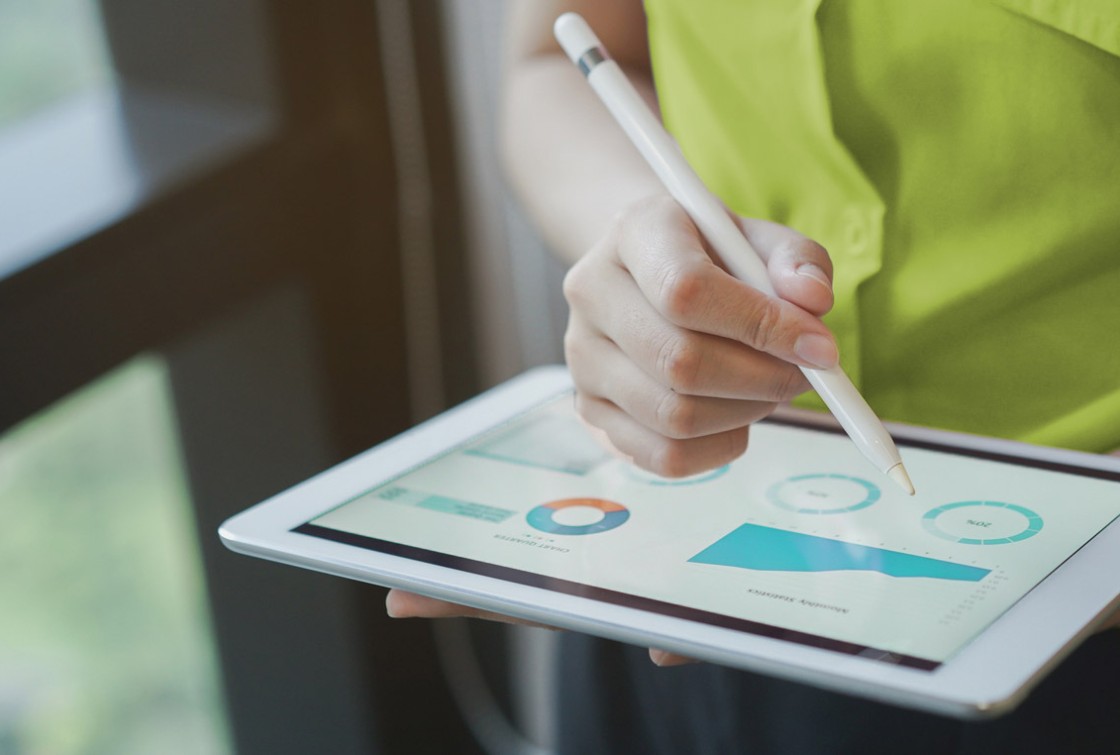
{"points": [[406, 605], [672, 357]]}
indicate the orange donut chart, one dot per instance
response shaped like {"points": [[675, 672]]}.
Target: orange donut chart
{"points": [[541, 517]]}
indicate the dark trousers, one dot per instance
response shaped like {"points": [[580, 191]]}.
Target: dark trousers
{"points": [[614, 700]]}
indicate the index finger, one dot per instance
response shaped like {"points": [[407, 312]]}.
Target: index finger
{"points": [[663, 251]]}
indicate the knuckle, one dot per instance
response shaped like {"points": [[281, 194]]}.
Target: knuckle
{"points": [[671, 458], [585, 407], [761, 327], [678, 363], [575, 285], [676, 415], [737, 441], [787, 383], [681, 293]]}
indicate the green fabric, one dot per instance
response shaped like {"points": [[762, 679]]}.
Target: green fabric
{"points": [[960, 160]]}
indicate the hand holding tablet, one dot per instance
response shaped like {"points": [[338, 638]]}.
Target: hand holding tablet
{"points": [[401, 604]]}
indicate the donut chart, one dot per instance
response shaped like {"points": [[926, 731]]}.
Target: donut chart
{"points": [[640, 475], [982, 522], [823, 494], [550, 517]]}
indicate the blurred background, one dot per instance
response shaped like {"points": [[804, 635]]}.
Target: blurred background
{"points": [[240, 241]]}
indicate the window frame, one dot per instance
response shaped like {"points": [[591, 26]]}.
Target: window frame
{"points": [[280, 256]]}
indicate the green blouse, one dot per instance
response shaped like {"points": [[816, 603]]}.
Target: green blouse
{"points": [[959, 159]]}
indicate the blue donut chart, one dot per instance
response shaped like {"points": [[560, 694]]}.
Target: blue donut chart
{"points": [[542, 517]]}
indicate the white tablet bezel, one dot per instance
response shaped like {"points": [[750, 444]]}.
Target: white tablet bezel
{"points": [[990, 675]]}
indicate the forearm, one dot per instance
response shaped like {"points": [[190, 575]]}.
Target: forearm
{"points": [[569, 163]]}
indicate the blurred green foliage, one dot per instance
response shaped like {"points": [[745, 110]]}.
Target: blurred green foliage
{"points": [[48, 49], [105, 643]]}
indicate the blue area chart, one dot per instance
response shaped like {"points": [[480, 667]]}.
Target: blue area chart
{"points": [[752, 546]]}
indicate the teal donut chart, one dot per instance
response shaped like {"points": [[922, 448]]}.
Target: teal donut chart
{"points": [[642, 476], [1033, 523], [779, 493], [542, 517]]}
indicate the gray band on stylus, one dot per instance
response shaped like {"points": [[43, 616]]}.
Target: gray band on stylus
{"points": [[592, 58]]}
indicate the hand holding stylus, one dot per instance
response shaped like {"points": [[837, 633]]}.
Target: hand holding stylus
{"points": [[673, 357], [727, 241]]}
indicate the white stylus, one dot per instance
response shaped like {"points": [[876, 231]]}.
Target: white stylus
{"points": [[664, 156]]}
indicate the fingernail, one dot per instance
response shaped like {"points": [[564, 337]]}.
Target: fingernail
{"points": [[809, 270], [817, 350]]}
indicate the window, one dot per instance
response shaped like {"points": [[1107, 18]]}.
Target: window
{"points": [[105, 644], [226, 201], [49, 50], [83, 145]]}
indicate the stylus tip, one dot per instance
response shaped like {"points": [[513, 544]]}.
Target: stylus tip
{"points": [[898, 474]]}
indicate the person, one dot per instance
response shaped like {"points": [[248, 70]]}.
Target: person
{"points": [[958, 161]]}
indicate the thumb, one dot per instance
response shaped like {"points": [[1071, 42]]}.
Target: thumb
{"points": [[664, 658], [799, 267]]}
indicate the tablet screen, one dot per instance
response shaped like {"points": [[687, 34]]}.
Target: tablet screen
{"points": [[799, 539]]}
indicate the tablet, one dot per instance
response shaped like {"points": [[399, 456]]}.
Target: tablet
{"points": [[798, 560]]}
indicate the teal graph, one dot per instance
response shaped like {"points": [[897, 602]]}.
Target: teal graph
{"points": [[443, 504], [767, 549]]}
